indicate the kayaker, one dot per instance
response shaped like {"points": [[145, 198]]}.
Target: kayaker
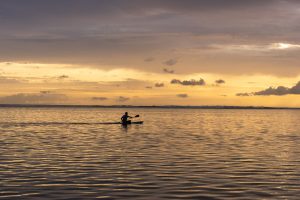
{"points": [[125, 117]]}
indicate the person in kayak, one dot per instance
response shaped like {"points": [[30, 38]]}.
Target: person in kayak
{"points": [[124, 119]]}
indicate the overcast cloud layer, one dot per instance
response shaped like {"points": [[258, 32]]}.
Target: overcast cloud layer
{"points": [[214, 36]]}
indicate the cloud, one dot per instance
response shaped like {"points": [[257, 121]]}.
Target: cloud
{"points": [[168, 71], [45, 92], [99, 98], [57, 9], [277, 91], [150, 59], [283, 46], [8, 80], [182, 95], [129, 83], [295, 89], [243, 94], [219, 81], [34, 98], [122, 99], [63, 77], [256, 47], [120, 33], [170, 62], [159, 85], [191, 82]]}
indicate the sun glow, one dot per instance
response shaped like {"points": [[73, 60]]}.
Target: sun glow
{"points": [[283, 46]]}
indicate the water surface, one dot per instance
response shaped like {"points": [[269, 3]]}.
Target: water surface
{"points": [[64, 153]]}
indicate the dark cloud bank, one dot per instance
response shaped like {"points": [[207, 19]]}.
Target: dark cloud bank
{"points": [[44, 97], [278, 91]]}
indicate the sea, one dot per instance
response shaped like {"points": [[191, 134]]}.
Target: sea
{"points": [[75, 153]]}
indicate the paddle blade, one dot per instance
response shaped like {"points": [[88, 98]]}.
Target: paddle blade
{"points": [[137, 115]]}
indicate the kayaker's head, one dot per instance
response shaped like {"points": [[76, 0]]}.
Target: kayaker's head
{"points": [[126, 113]]}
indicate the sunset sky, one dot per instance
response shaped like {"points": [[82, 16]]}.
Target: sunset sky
{"points": [[150, 52]]}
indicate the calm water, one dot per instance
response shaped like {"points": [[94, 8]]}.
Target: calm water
{"points": [[62, 153]]}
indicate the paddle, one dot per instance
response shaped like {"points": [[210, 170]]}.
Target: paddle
{"points": [[137, 116]]}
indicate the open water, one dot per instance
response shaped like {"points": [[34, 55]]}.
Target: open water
{"points": [[66, 153]]}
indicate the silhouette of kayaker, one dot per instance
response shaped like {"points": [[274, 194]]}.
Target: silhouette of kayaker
{"points": [[124, 119]]}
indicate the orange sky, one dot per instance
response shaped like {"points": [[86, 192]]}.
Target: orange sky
{"points": [[150, 52]]}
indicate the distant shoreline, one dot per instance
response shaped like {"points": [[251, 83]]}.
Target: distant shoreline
{"points": [[131, 106]]}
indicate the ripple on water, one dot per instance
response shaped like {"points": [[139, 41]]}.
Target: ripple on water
{"points": [[224, 154]]}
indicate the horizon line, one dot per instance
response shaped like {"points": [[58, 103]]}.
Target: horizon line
{"points": [[150, 106]]}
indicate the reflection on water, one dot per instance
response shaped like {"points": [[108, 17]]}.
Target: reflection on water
{"points": [[177, 154]]}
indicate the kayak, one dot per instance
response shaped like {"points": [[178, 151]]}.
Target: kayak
{"points": [[136, 122]]}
